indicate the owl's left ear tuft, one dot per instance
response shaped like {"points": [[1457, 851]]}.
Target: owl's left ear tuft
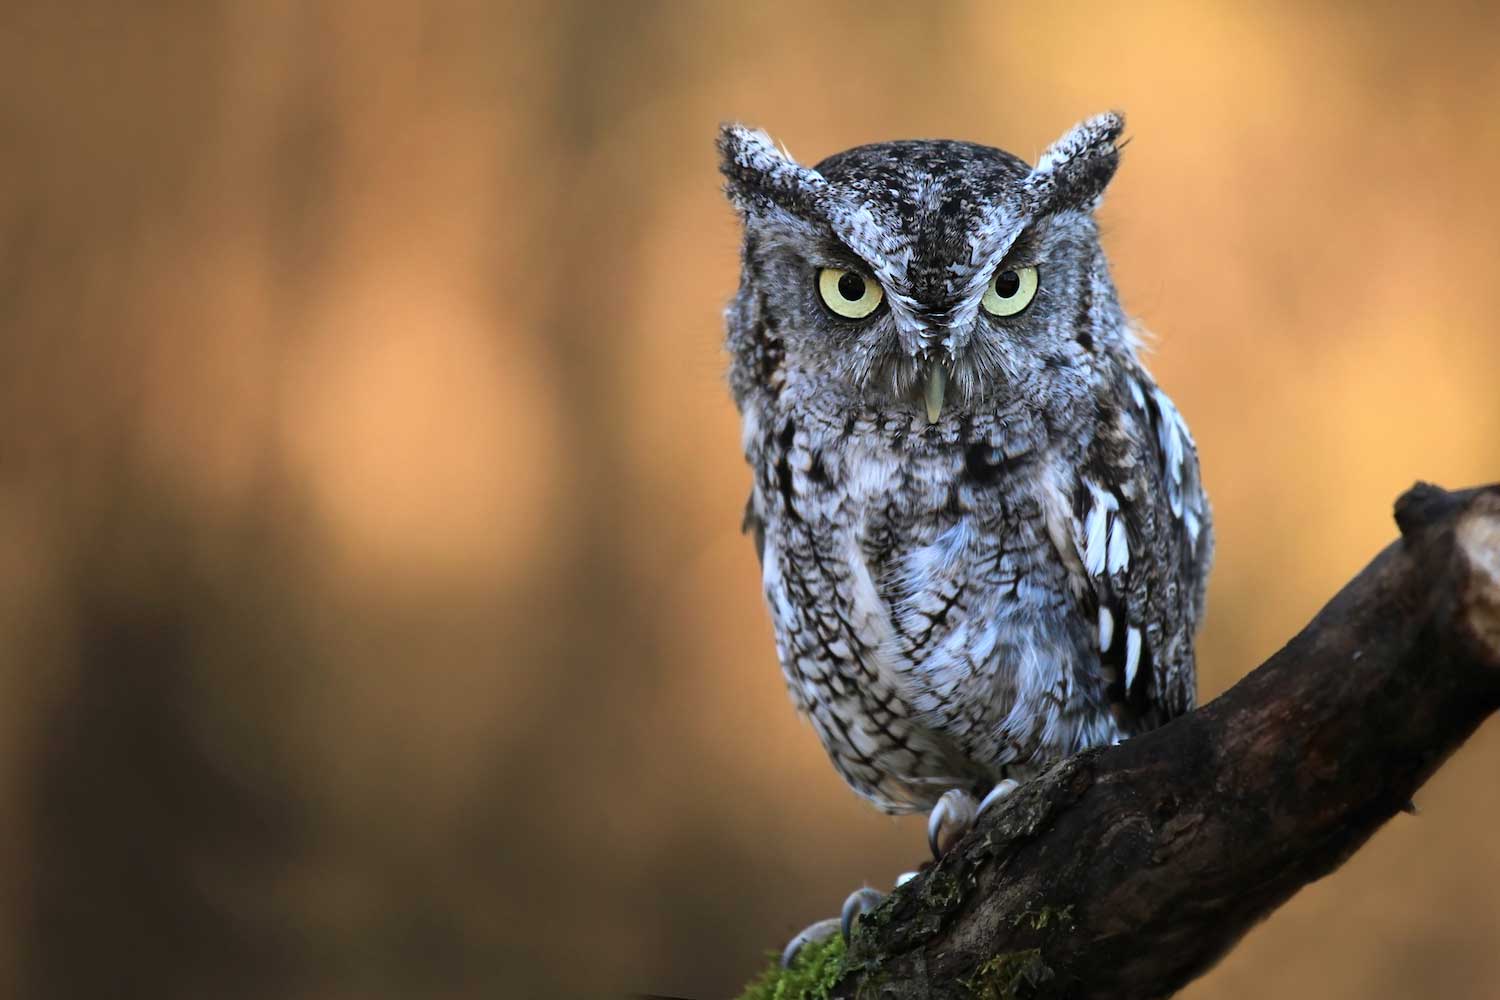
{"points": [[1075, 169], [758, 172]]}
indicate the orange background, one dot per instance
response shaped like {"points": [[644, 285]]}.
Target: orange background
{"points": [[373, 613]]}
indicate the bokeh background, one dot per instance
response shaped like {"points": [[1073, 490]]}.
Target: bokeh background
{"points": [[373, 616]]}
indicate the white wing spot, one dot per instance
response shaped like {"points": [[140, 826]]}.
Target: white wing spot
{"points": [[1119, 548], [1096, 529], [1190, 519], [1132, 655]]}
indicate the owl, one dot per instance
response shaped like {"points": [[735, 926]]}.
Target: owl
{"points": [[983, 537]]}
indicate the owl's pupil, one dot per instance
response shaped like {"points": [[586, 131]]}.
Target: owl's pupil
{"points": [[852, 286], [1007, 283]]}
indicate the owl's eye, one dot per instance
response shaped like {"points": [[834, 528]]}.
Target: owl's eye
{"points": [[849, 293], [1009, 291]]}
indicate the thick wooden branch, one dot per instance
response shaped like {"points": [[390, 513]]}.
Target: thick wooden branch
{"points": [[1126, 872]]}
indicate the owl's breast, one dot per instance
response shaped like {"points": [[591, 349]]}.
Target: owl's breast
{"points": [[940, 518], [917, 591]]}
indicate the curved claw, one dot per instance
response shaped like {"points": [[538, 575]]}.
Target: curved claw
{"points": [[1000, 791], [860, 902], [822, 930], [950, 820]]}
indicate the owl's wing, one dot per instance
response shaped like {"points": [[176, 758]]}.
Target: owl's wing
{"points": [[1142, 530]]}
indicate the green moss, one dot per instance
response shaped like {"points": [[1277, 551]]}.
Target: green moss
{"points": [[1040, 920], [1010, 976], [943, 890], [810, 977]]}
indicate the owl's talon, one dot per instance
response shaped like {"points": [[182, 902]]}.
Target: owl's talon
{"points": [[1002, 789], [904, 878], [821, 930], [950, 819], [860, 902]]}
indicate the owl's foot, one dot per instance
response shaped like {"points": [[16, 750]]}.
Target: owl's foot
{"points": [[820, 930], [1002, 788], [860, 902], [956, 813], [950, 819]]}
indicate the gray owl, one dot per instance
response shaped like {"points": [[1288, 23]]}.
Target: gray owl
{"points": [[983, 537]]}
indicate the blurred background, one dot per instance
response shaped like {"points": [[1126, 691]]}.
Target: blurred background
{"points": [[373, 614]]}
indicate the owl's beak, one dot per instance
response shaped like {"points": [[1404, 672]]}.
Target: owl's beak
{"points": [[937, 382]]}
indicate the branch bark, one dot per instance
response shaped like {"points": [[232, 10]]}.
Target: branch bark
{"points": [[1128, 871]]}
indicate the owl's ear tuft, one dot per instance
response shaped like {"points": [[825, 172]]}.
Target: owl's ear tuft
{"points": [[1075, 169], [758, 173]]}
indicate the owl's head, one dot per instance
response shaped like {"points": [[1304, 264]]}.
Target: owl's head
{"points": [[931, 274]]}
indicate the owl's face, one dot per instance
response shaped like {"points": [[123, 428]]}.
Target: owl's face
{"points": [[933, 275]]}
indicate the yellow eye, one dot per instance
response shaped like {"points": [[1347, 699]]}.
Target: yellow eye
{"points": [[849, 293], [1009, 291]]}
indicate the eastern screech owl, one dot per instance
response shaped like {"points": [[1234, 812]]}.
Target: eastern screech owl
{"points": [[983, 536]]}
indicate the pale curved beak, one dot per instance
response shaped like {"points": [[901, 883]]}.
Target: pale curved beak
{"points": [[937, 385]]}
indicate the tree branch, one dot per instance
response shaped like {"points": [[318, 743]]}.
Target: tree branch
{"points": [[1128, 871]]}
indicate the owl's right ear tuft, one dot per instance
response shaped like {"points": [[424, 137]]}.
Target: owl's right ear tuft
{"points": [[757, 173]]}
